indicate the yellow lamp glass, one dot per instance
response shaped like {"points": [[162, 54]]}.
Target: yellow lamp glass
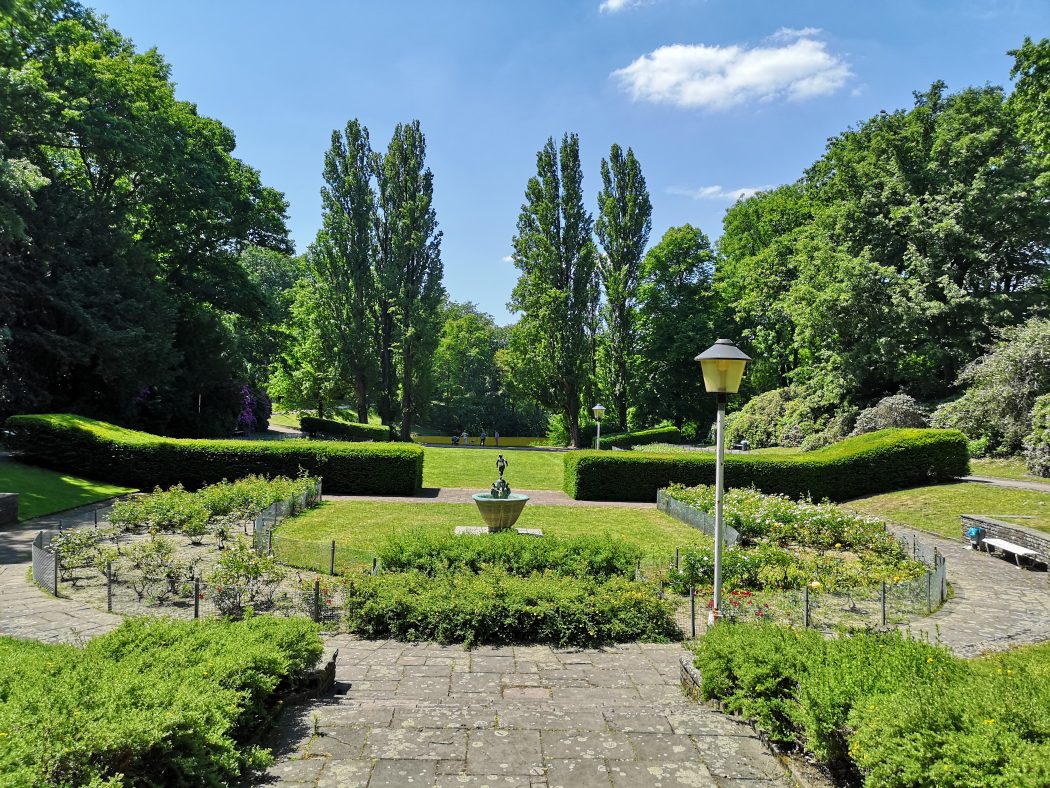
{"points": [[722, 376]]}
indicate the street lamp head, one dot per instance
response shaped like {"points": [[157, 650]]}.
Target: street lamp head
{"points": [[599, 411], [723, 366]]}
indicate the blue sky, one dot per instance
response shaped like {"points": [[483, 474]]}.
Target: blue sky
{"points": [[715, 96]]}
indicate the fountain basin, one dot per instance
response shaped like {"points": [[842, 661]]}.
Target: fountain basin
{"points": [[500, 514]]}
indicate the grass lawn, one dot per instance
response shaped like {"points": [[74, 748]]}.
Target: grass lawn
{"points": [[937, 508], [43, 492], [1008, 468], [359, 527], [290, 420], [466, 467]]}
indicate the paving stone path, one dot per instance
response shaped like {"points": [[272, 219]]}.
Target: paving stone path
{"points": [[25, 610], [1017, 484], [996, 604], [525, 717]]}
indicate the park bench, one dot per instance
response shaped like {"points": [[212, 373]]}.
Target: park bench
{"points": [[1017, 550]]}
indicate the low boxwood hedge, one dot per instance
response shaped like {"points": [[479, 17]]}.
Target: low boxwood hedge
{"points": [[864, 465], [628, 439], [155, 702], [342, 430], [97, 450], [495, 607]]}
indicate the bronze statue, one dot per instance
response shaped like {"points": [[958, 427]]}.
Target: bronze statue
{"points": [[500, 488]]}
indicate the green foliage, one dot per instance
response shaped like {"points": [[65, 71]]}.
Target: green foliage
{"points": [[104, 175], [495, 607], [1001, 388], [624, 221], [156, 702], [341, 430], [863, 465], [1037, 444], [897, 411], [94, 448], [556, 293], [897, 711], [244, 577], [665, 434], [597, 557], [677, 305]]}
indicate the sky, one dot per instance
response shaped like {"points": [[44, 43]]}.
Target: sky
{"points": [[718, 98]]}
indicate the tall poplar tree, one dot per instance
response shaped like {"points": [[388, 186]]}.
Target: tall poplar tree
{"points": [[555, 293], [410, 270], [624, 221], [341, 258]]}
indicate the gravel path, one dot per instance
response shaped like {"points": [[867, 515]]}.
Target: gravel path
{"points": [[1017, 484]]}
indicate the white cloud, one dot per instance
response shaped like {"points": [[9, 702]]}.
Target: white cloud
{"points": [[507, 258], [716, 77], [717, 192], [612, 6], [794, 33]]}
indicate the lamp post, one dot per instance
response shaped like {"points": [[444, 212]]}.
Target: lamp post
{"points": [[599, 411], [723, 366]]}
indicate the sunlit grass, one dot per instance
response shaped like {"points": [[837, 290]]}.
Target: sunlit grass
{"points": [[41, 491], [937, 508], [1006, 468], [476, 468]]}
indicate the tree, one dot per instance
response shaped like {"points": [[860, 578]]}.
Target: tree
{"points": [[676, 320], [624, 222], [307, 373], [342, 258], [409, 271], [1031, 100], [556, 291]]}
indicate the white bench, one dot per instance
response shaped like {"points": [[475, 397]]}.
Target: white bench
{"points": [[1018, 551]]}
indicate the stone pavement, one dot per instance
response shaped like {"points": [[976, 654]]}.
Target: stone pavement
{"points": [[28, 612], [1017, 484], [463, 495], [996, 604], [531, 717]]}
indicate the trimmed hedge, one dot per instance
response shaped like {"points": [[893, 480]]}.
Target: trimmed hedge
{"points": [[494, 607], [628, 439], [865, 465], [98, 450], [155, 702], [341, 430]]}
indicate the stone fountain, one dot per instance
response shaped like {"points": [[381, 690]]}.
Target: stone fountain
{"points": [[500, 508]]}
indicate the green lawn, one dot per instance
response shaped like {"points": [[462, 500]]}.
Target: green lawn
{"points": [[1008, 468], [43, 492], [291, 418], [937, 508], [364, 525], [476, 468]]}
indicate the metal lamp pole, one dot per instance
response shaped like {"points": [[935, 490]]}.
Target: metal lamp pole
{"points": [[723, 366], [599, 411]]}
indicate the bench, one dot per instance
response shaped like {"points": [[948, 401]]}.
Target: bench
{"points": [[1018, 551]]}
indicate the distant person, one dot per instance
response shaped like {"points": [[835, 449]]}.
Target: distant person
{"points": [[483, 436], [495, 436], [455, 439], [465, 438]]}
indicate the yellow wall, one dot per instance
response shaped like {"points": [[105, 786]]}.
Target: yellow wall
{"points": [[504, 440]]}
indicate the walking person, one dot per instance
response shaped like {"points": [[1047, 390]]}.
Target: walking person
{"points": [[496, 436], [466, 438], [483, 436]]}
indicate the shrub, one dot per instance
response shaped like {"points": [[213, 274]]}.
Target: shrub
{"points": [[897, 411], [665, 434], [155, 702], [1002, 387], [244, 577], [342, 430], [596, 557], [1037, 444], [98, 450], [893, 711], [495, 607], [864, 465]]}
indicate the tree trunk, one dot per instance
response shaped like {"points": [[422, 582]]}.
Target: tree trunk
{"points": [[407, 404], [362, 400], [320, 408], [572, 422], [386, 366]]}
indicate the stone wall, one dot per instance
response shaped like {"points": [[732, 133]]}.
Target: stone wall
{"points": [[1018, 534], [8, 508]]}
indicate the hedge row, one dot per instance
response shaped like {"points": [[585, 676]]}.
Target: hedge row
{"points": [[342, 430], [885, 710], [493, 607], [155, 702], [865, 465], [97, 450], [628, 439]]}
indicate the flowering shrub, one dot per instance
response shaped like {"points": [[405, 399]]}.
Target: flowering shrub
{"points": [[1037, 444], [242, 578], [900, 410], [884, 709]]}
